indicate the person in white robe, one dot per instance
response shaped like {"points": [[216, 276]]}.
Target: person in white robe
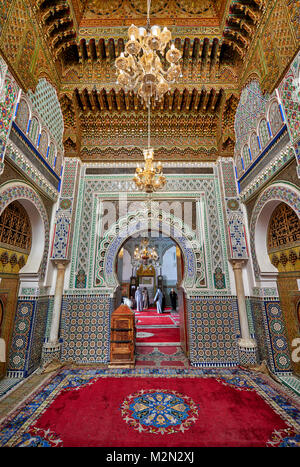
{"points": [[139, 299], [145, 299], [128, 302], [158, 299]]}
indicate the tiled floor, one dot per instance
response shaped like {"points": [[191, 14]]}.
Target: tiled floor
{"points": [[6, 384], [18, 392], [292, 382]]}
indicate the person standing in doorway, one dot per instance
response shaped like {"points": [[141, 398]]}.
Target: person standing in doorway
{"points": [[158, 299], [145, 299], [173, 298], [139, 299]]}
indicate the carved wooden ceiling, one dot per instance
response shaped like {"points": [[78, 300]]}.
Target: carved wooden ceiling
{"points": [[65, 23], [75, 44]]}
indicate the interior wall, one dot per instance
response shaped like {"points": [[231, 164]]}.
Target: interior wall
{"points": [[9, 285], [203, 192], [28, 322]]}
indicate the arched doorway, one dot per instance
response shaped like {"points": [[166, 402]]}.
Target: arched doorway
{"points": [[32, 272], [283, 244], [157, 220], [15, 247], [162, 338], [263, 209]]}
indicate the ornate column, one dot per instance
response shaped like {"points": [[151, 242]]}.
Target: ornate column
{"points": [[51, 349], [247, 346], [61, 250], [237, 253], [59, 288]]}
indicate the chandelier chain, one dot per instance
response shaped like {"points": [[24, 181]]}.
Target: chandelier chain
{"points": [[149, 123], [148, 13], [141, 69]]}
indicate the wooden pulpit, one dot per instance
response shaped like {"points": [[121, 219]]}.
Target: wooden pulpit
{"points": [[122, 338]]}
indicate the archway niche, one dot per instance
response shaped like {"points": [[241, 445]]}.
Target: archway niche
{"points": [[35, 257], [21, 289], [267, 270], [268, 200], [193, 264], [133, 224], [158, 279], [15, 247], [166, 271], [284, 252]]}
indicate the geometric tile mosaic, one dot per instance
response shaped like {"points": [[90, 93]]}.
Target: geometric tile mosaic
{"points": [[7, 106], [248, 356], [277, 335], [38, 333], [252, 104], [214, 329], [69, 178], [289, 91], [61, 237], [22, 335], [85, 328], [229, 181], [258, 311], [270, 334], [234, 217], [64, 219], [45, 101], [237, 237]]}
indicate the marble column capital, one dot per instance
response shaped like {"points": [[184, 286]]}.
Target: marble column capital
{"points": [[238, 263], [61, 263]]}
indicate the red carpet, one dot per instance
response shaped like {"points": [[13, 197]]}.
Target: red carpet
{"points": [[153, 312], [154, 320], [207, 413], [157, 335], [149, 331]]}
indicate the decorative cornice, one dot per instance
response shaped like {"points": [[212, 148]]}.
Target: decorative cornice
{"points": [[265, 175], [18, 138], [29, 170], [121, 32]]}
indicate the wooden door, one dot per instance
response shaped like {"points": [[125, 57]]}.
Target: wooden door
{"points": [[8, 297], [183, 321]]}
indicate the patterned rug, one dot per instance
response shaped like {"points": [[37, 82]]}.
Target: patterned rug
{"points": [[155, 407], [161, 357]]}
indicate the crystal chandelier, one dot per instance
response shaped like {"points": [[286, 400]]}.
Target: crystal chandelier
{"points": [[144, 254], [150, 178], [140, 67]]}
